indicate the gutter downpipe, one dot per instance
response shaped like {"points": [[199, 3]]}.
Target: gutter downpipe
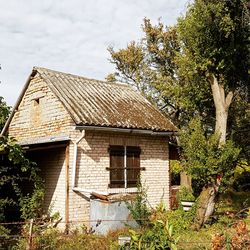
{"points": [[74, 187], [75, 159]]}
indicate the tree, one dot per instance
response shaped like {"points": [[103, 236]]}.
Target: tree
{"points": [[197, 68], [4, 112], [207, 161], [151, 66], [215, 45], [215, 42]]}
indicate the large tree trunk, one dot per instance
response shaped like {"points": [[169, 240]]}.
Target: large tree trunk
{"points": [[208, 195], [221, 103], [206, 204]]}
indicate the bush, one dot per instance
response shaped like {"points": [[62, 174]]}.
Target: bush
{"points": [[185, 194], [138, 207], [179, 219], [159, 235]]}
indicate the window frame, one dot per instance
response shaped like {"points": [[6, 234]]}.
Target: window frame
{"points": [[125, 151]]}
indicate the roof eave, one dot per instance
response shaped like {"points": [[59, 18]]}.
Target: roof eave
{"points": [[127, 130]]}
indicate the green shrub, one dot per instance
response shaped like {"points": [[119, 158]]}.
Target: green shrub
{"points": [[138, 207], [159, 235], [4, 236], [185, 194], [31, 204], [179, 219]]}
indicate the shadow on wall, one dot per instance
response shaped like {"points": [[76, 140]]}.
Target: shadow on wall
{"points": [[51, 163]]}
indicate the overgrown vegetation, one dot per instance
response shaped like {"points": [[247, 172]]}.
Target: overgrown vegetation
{"points": [[17, 172], [4, 112], [139, 207], [229, 229], [21, 188], [16, 202], [185, 194]]}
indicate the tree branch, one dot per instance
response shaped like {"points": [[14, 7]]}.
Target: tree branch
{"points": [[229, 99]]}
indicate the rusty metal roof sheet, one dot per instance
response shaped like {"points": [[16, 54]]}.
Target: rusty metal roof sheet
{"points": [[98, 103]]}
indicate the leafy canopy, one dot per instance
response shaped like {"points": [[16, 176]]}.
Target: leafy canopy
{"points": [[215, 40], [203, 159], [4, 112], [152, 67]]}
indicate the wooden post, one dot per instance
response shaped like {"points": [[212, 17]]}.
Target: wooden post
{"points": [[67, 189], [29, 246]]}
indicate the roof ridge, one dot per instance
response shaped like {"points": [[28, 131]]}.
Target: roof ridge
{"points": [[120, 84]]}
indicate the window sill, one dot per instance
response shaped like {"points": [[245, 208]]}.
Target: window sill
{"points": [[122, 190]]}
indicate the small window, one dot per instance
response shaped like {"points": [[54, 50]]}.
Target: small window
{"points": [[124, 166], [35, 112], [36, 102]]}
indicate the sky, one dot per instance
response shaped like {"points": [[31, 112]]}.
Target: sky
{"points": [[71, 36]]}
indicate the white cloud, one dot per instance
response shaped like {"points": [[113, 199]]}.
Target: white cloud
{"points": [[70, 36]]}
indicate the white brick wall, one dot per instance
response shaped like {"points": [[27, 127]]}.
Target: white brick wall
{"points": [[49, 119], [93, 159]]}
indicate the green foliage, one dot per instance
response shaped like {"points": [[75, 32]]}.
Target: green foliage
{"points": [[158, 236], [203, 158], [176, 167], [166, 230], [31, 204], [240, 181], [239, 122], [231, 203], [216, 39], [138, 207], [15, 171], [111, 78], [180, 220], [4, 112], [53, 239], [152, 67], [4, 234], [185, 194]]}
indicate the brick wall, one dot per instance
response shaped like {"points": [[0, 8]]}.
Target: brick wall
{"points": [[40, 114], [93, 159]]}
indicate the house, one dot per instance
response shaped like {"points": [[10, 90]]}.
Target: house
{"points": [[91, 139]]}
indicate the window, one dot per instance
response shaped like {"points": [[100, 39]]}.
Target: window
{"points": [[35, 112], [36, 102], [124, 166]]}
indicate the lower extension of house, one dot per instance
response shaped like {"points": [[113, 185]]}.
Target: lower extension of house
{"points": [[93, 141]]}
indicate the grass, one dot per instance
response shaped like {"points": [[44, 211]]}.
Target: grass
{"points": [[227, 215], [231, 208], [202, 239]]}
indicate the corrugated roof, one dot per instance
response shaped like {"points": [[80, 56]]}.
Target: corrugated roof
{"points": [[98, 103]]}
